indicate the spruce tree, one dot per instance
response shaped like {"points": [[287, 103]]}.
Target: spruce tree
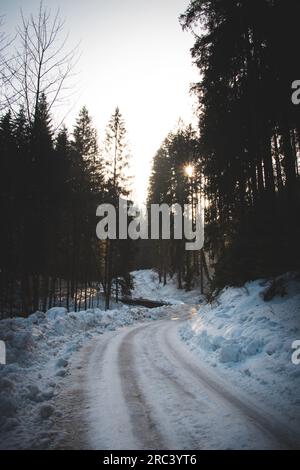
{"points": [[118, 180]]}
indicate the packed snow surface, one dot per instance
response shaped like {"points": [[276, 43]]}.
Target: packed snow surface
{"points": [[144, 389], [39, 349]]}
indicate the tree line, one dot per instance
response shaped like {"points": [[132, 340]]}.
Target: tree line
{"points": [[242, 162], [51, 182], [176, 180], [246, 153], [249, 144]]}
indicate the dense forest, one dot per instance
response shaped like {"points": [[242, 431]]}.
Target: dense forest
{"points": [[176, 179], [247, 156], [51, 182], [50, 189], [242, 162]]}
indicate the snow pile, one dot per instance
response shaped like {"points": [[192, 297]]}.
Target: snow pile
{"points": [[147, 286], [250, 341], [39, 349]]}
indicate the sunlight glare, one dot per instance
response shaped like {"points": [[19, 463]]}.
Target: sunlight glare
{"points": [[189, 170]]}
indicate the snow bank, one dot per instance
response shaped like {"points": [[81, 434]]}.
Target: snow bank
{"points": [[250, 341], [147, 286], [39, 349]]}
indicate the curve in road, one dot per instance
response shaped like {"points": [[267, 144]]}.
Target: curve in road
{"points": [[143, 389]]}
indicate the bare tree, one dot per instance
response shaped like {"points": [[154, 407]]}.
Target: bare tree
{"points": [[5, 42], [40, 64]]}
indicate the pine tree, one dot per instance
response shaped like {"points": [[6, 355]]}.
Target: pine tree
{"points": [[118, 185], [117, 156], [88, 191], [8, 206]]}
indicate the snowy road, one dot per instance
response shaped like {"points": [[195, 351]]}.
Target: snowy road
{"points": [[140, 388]]}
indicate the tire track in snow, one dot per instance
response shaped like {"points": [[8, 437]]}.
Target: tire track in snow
{"points": [[77, 397], [140, 411], [143, 389], [270, 425], [155, 344], [185, 408], [110, 425]]}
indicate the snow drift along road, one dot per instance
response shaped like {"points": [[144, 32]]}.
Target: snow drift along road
{"points": [[40, 351]]}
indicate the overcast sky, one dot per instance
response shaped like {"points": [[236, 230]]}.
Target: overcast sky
{"points": [[135, 56]]}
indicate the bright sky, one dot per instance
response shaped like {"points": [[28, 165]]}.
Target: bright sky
{"points": [[135, 56]]}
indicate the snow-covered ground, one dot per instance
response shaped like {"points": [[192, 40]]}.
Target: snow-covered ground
{"points": [[39, 349], [120, 360], [249, 342], [144, 389], [147, 286]]}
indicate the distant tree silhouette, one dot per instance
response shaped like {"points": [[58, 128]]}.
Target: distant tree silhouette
{"points": [[170, 184]]}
